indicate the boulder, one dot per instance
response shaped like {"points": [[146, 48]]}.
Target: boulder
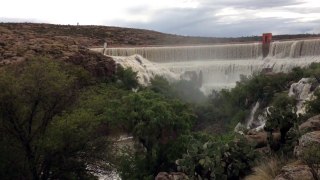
{"points": [[305, 141], [295, 171], [260, 138], [312, 124], [171, 176]]}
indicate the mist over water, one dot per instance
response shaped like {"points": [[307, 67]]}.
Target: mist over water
{"points": [[222, 65]]}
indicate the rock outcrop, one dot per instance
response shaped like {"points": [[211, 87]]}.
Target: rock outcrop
{"points": [[97, 64], [260, 138], [312, 124], [295, 171], [305, 141]]}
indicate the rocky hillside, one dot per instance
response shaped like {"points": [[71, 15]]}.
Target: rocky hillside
{"points": [[20, 41]]}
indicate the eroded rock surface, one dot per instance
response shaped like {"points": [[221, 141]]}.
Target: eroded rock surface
{"points": [[312, 124], [305, 141], [295, 171]]}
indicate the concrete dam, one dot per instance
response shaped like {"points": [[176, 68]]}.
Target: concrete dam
{"points": [[220, 65]]}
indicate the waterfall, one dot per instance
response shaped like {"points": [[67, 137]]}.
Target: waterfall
{"points": [[144, 68], [222, 65], [250, 120], [302, 92], [295, 49], [191, 53]]}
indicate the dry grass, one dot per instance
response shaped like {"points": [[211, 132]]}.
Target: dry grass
{"points": [[267, 169]]}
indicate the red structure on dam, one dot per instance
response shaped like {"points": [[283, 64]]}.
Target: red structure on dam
{"points": [[266, 40]]}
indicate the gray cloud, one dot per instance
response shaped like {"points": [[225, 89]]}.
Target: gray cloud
{"points": [[206, 21], [250, 4], [220, 18]]}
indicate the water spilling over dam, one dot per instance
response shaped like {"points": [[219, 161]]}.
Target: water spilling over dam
{"points": [[222, 65]]}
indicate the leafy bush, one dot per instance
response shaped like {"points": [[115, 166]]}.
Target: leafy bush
{"points": [[127, 78], [214, 159], [313, 106]]}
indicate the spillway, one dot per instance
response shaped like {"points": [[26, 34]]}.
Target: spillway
{"points": [[191, 53], [222, 65]]}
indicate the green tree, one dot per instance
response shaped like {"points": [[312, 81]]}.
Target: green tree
{"points": [[33, 97], [281, 116], [155, 122]]}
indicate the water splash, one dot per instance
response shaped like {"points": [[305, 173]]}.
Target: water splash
{"points": [[146, 70]]}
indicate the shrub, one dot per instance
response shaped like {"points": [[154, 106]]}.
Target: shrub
{"points": [[127, 78], [216, 160]]}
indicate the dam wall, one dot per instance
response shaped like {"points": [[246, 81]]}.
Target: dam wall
{"points": [[285, 49], [222, 65], [191, 53]]}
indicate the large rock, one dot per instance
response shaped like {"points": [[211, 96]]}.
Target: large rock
{"points": [[261, 138], [305, 141], [295, 171], [312, 124], [171, 176], [302, 92]]}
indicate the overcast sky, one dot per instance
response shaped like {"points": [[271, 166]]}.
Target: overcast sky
{"points": [[220, 18]]}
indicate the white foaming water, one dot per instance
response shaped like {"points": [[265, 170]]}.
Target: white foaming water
{"points": [[250, 120], [145, 69], [221, 65], [302, 92]]}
